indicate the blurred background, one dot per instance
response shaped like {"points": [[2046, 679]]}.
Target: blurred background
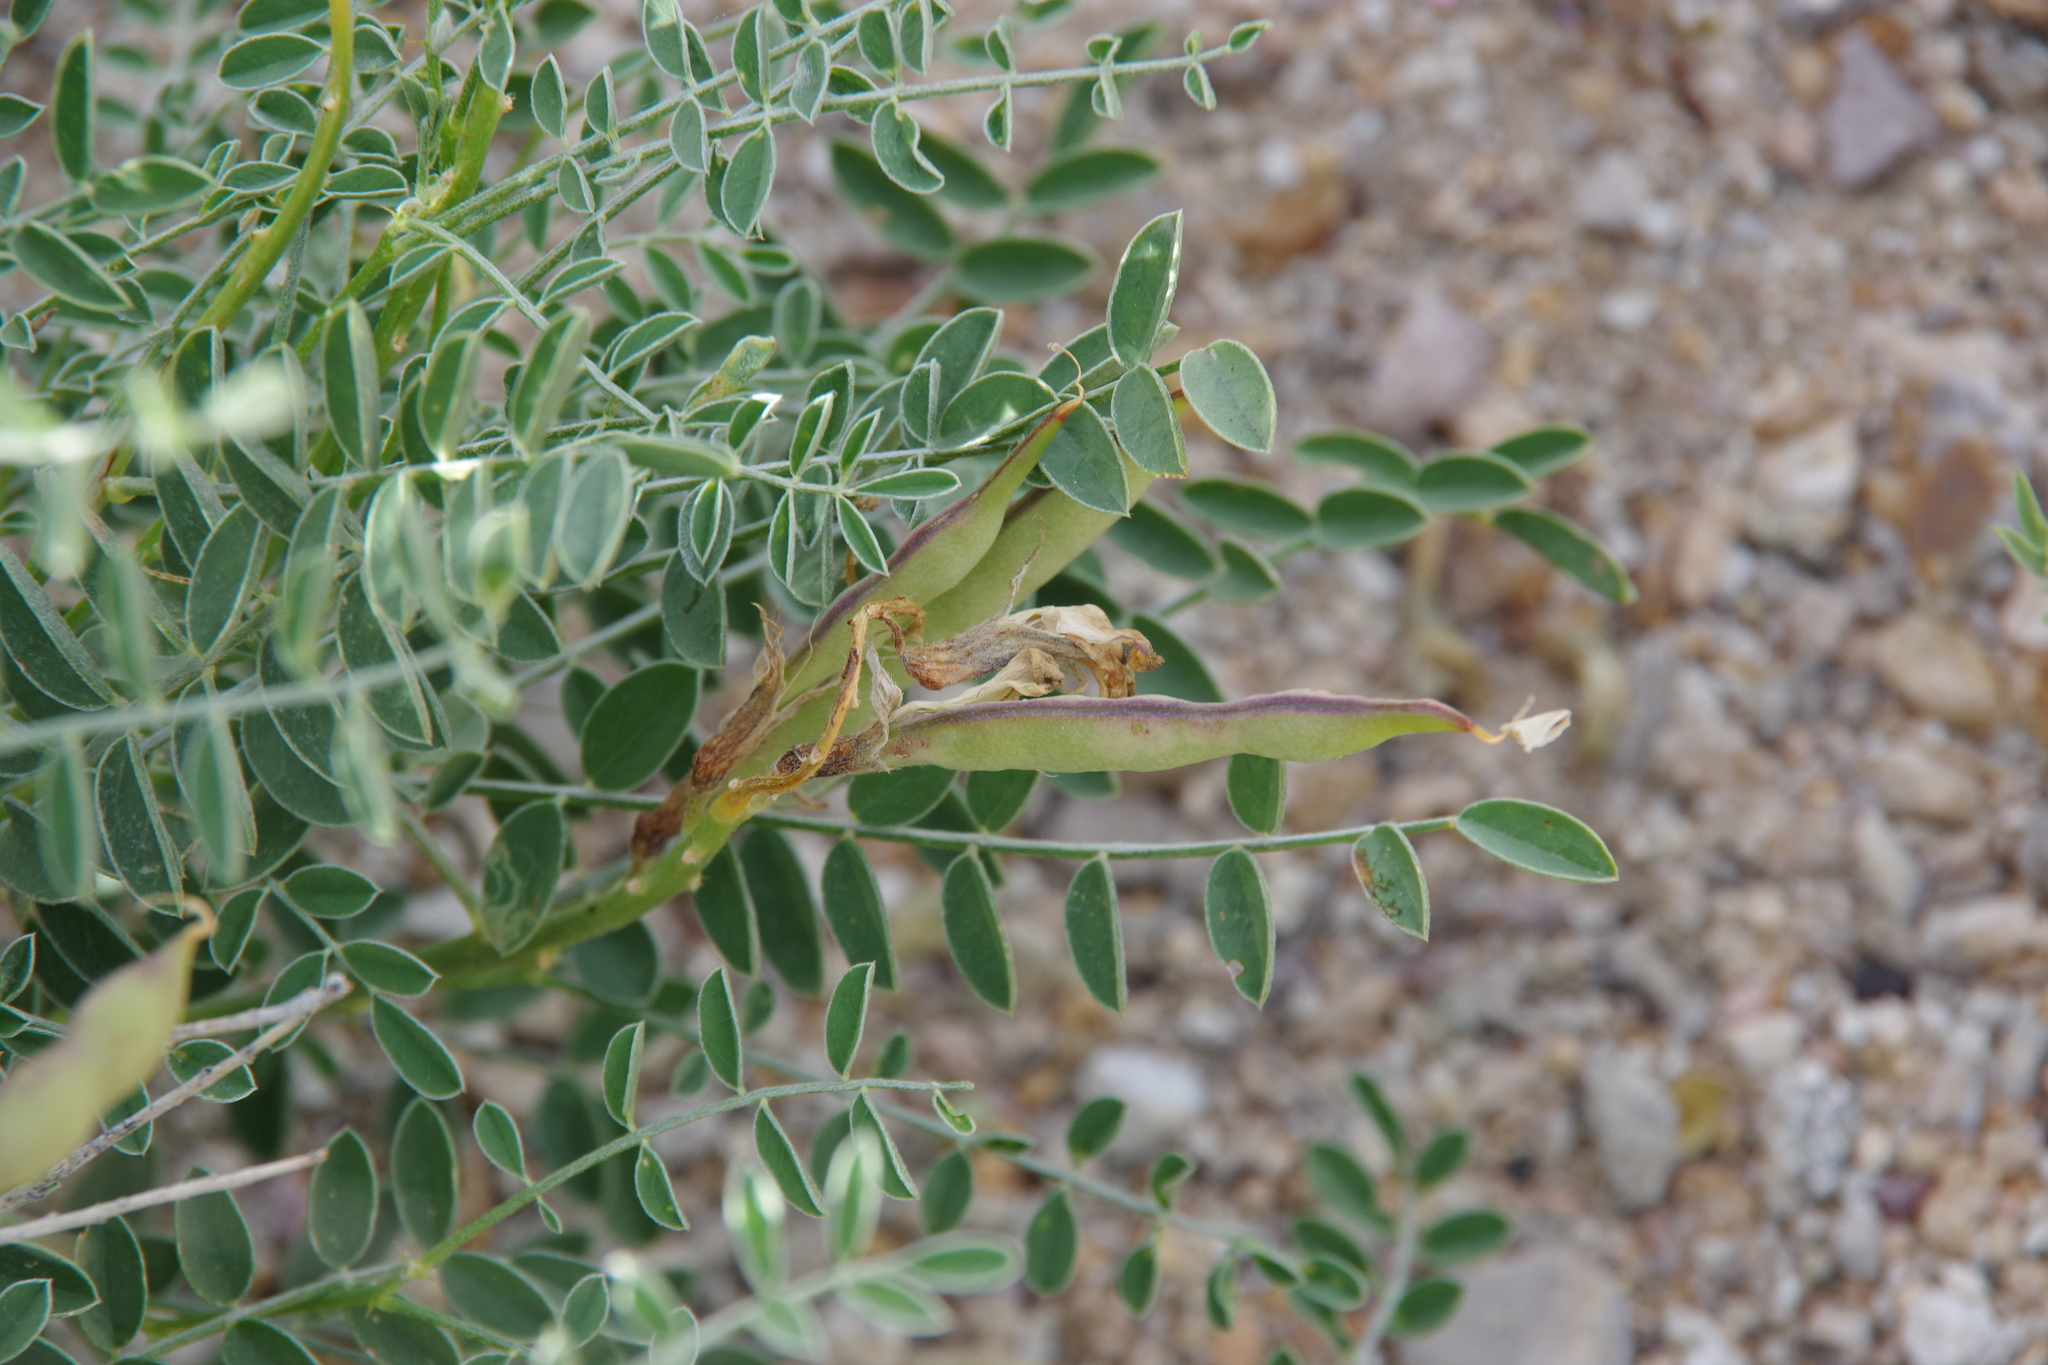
{"points": [[1776, 1096]]}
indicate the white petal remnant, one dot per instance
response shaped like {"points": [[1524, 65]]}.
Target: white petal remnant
{"points": [[1533, 732]]}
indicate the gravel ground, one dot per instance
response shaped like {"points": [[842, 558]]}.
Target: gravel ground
{"points": [[1775, 1096]]}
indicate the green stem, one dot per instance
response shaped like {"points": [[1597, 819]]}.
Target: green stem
{"points": [[1408, 1231], [444, 866], [270, 244], [456, 1240], [992, 843]]}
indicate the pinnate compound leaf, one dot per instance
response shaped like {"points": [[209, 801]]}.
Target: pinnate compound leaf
{"points": [[1539, 839], [423, 1178], [585, 1308], [552, 365], [1392, 877], [131, 826], [974, 933], [1379, 460], [341, 1205], [1570, 548], [1228, 389], [1240, 918], [1051, 1243], [1095, 933], [421, 1060]]}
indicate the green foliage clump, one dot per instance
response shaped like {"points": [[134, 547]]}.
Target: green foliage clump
{"points": [[392, 377]]}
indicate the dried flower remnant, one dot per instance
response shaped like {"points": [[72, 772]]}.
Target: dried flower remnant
{"points": [[1532, 732], [1081, 639]]}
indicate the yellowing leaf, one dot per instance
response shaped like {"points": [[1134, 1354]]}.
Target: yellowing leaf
{"points": [[51, 1101]]}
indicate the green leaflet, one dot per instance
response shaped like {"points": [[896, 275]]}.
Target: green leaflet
{"points": [[974, 934], [854, 910], [1240, 917]]}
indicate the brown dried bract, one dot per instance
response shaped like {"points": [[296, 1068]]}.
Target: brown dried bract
{"points": [[740, 734], [900, 614], [1077, 639]]}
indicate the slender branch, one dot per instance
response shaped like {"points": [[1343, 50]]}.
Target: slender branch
{"points": [[455, 1241], [992, 843], [444, 866], [1408, 1230], [163, 1194], [310, 1001], [398, 1303], [342, 1289], [270, 244], [261, 1017]]}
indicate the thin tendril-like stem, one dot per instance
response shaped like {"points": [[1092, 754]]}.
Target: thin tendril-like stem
{"points": [[162, 1194], [992, 843]]}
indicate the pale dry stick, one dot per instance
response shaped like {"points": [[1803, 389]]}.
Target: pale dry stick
{"points": [[263, 1016], [163, 1194], [310, 1002]]}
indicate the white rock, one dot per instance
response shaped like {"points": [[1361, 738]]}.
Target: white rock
{"points": [[1952, 1325], [1809, 1125], [1635, 1126], [1885, 868], [1765, 1043], [1612, 194], [1859, 1231], [1911, 780], [1432, 364], [1982, 933], [1628, 311], [1874, 120], [1163, 1093], [1803, 491], [1702, 1340], [1544, 1306]]}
